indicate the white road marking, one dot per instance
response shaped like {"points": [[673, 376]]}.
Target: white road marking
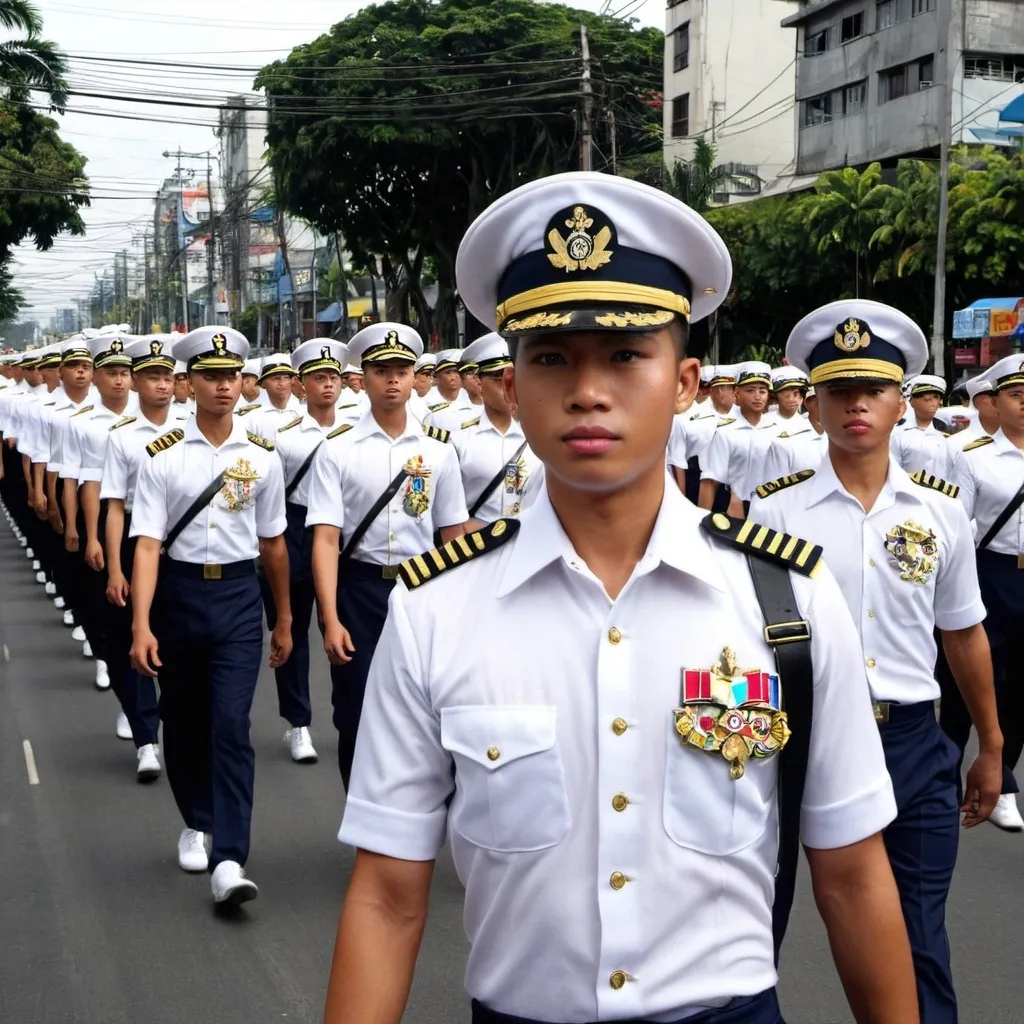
{"points": [[30, 764], [7, 653]]}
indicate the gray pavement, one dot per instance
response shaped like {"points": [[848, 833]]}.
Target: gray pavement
{"points": [[99, 926]]}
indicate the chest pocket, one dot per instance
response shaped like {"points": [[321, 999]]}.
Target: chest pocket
{"points": [[510, 784]]}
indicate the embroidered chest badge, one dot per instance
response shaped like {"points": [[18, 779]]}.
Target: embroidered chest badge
{"points": [[239, 482], [913, 550], [416, 500], [732, 713]]}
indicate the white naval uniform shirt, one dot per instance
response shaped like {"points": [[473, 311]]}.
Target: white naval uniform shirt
{"points": [[85, 444], [690, 436], [351, 471], [269, 420], [242, 512], [34, 439], [54, 428], [20, 413], [732, 459], [293, 446], [482, 452], [13, 401], [126, 452], [457, 416], [989, 477], [792, 451], [918, 449], [418, 407], [540, 754], [957, 442], [895, 616]]}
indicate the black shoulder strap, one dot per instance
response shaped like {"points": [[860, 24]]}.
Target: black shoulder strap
{"points": [[1002, 519], [357, 534], [495, 480], [303, 470], [789, 636], [193, 510]]}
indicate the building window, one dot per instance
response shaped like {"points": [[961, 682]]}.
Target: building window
{"points": [[682, 47], [681, 116], [818, 109], [852, 27], [885, 14], [892, 84], [925, 72], [855, 98], [921, 7], [815, 43], [994, 67]]}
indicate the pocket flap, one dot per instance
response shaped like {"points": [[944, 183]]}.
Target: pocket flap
{"points": [[494, 735]]}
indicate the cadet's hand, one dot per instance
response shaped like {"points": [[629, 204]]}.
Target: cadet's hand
{"points": [[94, 555], [39, 504], [70, 539], [117, 589], [338, 644], [280, 644], [57, 524], [984, 782], [145, 655]]}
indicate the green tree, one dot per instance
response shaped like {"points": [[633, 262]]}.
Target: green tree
{"points": [[698, 180], [30, 63]]}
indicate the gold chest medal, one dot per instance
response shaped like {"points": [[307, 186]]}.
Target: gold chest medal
{"points": [[239, 482], [416, 500], [913, 550]]}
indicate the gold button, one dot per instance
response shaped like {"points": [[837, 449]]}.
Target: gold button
{"points": [[871, 662], [619, 726], [620, 802], [871, 562], [614, 636], [493, 753], [617, 979], [871, 614], [618, 880]]}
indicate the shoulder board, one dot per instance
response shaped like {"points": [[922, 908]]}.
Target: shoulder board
{"points": [[783, 435], [439, 406], [783, 482], [85, 408], [349, 405], [248, 408], [338, 431], [48, 404], [981, 442], [725, 422], [927, 480], [260, 442], [294, 423], [470, 423], [428, 566], [801, 556], [437, 433], [164, 441], [123, 422]]}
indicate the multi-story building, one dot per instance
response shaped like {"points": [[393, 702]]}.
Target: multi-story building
{"points": [[866, 72], [728, 79]]}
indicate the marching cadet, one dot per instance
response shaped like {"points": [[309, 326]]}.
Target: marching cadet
{"points": [[920, 446], [182, 402], [584, 812], [423, 374], [494, 457], [466, 405], [902, 551], [789, 386], [318, 363], [212, 495], [990, 474], [352, 379], [693, 429], [447, 388], [384, 485], [982, 397], [279, 406], [252, 394], [799, 447]]}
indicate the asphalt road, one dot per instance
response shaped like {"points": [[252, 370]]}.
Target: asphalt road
{"points": [[99, 926]]}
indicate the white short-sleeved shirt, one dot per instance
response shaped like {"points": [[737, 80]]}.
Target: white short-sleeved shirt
{"points": [[734, 459], [792, 451], [538, 757], [482, 452], [456, 416], [294, 445], [268, 420], [917, 449], [126, 452], [17, 411], [54, 424], [351, 471], [957, 442], [899, 586], [988, 477], [690, 436], [85, 444], [248, 507], [34, 435]]}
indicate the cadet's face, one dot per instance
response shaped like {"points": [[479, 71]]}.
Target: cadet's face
{"points": [[597, 407], [987, 405], [492, 389], [423, 382], [182, 391], [113, 382], [813, 414], [155, 387], [76, 374], [790, 400], [388, 385], [724, 395], [926, 406], [859, 417], [448, 380], [322, 388], [354, 381], [250, 387], [1010, 403], [216, 391], [51, 376], [279, 386], [33, 378], [298, 390], [471, 382], [752, 398]]}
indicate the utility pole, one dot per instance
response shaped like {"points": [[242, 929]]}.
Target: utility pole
{"points": [[614, 141], [587, 96], [211, 313], [146, 319]]}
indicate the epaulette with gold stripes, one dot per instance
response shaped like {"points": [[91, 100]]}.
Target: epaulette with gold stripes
{"points": [[338, 431], [439, 406], [437, 433], [428, 566], [348, 405], [288, 426], [470, 423], [801, 556], [248, 408], [981, 442], [164, 441], [123, 422], [260, 442], [774, 486], [927, 480], [725, 422], [85, 408]]}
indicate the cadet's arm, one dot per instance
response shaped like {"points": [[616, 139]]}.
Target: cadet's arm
{"points": [[379, 936], [706, 497], [857, 898], [451, 532], [144, 653], [89, 496], [115, 536], [326, 541], [679, 475]]}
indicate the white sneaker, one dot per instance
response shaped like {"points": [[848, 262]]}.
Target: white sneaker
{"points": [[36, 565], [69, 620], [230, 886], [29, 553], [123, 729], [192, 850], [102, 676], [148, 769], [1006, 815], [40, 577], [23, 541], [50, 588], [87, 649], [302, 748], [58, 603], [77, 633]]}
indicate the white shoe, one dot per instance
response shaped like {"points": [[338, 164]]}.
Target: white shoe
{"points": [[148, 769], [1006, 815], [87, 649], [23, 541], [302, 748], [77, 633], [102, 676], [36, 565], [58, 603], [51, 589], [29, 553], [230, 886], [192, 850], [123, 729], [69, 619], [40, 577]]}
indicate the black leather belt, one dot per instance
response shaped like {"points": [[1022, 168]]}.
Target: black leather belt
{"points": [[208, 570]]}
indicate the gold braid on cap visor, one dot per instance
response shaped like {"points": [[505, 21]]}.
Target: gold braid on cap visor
{"points": [[856, 369], [604, 292]]}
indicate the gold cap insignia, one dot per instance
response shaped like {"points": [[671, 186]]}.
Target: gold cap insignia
{"points": [[220, 344], [325, 353], [156, 347], [391, 338], [116, 346], [851, 336], [580, 249]]}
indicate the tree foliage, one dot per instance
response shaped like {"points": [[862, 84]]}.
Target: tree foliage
{"points": [[30, 62]]}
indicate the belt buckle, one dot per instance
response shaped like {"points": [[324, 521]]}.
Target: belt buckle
{"points": [[1020, 560], [389, 572], [211, 572], [881, 710]]}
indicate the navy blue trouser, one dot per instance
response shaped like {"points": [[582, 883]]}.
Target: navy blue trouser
{"points": [[922, 846], [362, 608], [293, 676], [211, 641]]}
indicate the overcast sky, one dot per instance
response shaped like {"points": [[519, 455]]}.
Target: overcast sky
{"points": [[125, 161]]}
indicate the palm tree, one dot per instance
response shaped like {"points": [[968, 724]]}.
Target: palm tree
{"points": [[698, 180], [30, 63]]}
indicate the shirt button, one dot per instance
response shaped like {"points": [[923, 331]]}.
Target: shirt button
{"points": [[618, 880], [619, 726], [871, 614], [614, 636], [617, 979], [493, 753], [620, 802], [871, 562], [213, 526], [871, 662]]}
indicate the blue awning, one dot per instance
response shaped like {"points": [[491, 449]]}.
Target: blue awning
{"points": [[1014, 110], [330, 315]]}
